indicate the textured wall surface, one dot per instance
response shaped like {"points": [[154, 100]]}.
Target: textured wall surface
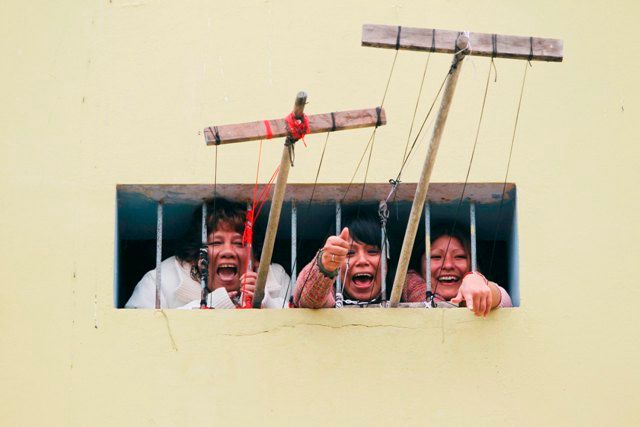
{"points": [[98, 93]]}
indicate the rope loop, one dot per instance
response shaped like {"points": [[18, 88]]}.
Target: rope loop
{"points": [[333, 122], [494, 45], [530, 51], [398, 37], [267, 127], [216, 134], [433, 40], [297, 128], [379, 119]]}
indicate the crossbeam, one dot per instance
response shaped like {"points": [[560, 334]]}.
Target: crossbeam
{"points": [[329, 122], [318, 123], [480, 44]]}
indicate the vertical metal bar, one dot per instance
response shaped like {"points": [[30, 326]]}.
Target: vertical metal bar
{"points": [[472, 233], [427, 245], [159, 215], [294, 249], [338, 229], [383, 264], [203, 234]]}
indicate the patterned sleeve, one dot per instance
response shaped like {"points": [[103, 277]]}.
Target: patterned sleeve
{"points": [[314, 289], [415, 289]]}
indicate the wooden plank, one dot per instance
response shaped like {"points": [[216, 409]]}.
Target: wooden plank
{"points": [[318, 123], [481, 44], [439, 193]]}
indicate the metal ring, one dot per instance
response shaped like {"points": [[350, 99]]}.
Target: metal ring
{"points": [[333, 257]]}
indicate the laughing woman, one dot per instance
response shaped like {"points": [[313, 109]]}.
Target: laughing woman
{"points": [[227, 274], [355, 255], [451, 276]]}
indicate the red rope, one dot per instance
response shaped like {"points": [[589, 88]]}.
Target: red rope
{"points": [[267, 126], [298, 128]]}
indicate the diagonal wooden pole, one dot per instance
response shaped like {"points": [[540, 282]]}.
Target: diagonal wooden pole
{"points": [[276, 205], [423, 184], [461, 44], [328, 122]]}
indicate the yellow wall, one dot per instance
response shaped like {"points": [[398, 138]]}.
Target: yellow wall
{"points": [[117, 91]]}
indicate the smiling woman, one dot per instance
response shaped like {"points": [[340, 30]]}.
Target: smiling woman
{"points": [[229, 266], [452, 277]]}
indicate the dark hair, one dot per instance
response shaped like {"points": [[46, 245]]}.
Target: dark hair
{"points": [[365, 230], [219, 212], [437, 231]]}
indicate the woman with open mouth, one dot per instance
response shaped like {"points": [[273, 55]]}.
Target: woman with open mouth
{"points": [[451, 277], [354, 254], [228, 262]]}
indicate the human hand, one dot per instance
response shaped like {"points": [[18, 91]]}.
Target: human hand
{"points": [[476, 293], [248, 283], [335, 249]]}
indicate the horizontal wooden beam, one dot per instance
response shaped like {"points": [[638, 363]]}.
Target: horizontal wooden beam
{"points": [[481, 44], [439, 193], [318, 123]]}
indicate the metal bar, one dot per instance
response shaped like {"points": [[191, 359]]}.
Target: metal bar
{"points": [[276, 207], [338, 230], [427, 246], [472, 233], [159, 215], [294, 249], [318, 123], [203, 238], [423, 185], [383, 265], [444, 41]]}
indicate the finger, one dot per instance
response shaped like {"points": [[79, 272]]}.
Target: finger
{"points": [[468, 298], [337, 250], [344, 234], [457, 298], [482, 305], [487, 309]]}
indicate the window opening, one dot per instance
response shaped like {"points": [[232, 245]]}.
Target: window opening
{"points": [[152, 220]]}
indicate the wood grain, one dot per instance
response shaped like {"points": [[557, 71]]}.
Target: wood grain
{"points": [[481, 44], [318, 123]]}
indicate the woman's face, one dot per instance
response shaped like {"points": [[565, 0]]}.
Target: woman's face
{"points": [[363, 279], [227, 258], [447, 269]]}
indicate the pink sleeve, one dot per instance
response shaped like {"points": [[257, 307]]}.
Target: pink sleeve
{"points": [[313, 289], [505, 300], [415, 288]]}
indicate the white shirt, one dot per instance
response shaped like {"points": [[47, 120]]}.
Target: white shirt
{"points": [[179, 290]]}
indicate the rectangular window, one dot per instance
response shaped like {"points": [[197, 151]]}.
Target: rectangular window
{"points": [[152, 219]]}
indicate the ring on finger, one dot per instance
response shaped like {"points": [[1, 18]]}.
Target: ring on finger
{"points": [[333, 257]]}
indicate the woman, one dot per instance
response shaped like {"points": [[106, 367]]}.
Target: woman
{"points": [[228, 259], [451, 276], [354, 254]]}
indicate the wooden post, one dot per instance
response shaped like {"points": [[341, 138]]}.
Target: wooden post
{"points": [[423, 185], [276, 205]]}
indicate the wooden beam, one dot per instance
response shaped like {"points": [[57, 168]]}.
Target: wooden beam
{"points": [[439, 193], [318, 123], [481, 44]]}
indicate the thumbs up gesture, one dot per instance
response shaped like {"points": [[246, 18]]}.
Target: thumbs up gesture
{"points": [[335, 249]]}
